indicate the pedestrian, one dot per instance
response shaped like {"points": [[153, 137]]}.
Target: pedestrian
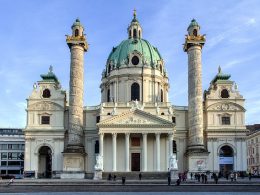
{"points": [[169, 180], [11, 181], [109, 177], [232, 176], [216, 178], [140, 176], [202, 178], [235, 177], [198, 177], [191, 176], [123, 180], [206, 179], [114, 177], [249, 176], [178, 182]]}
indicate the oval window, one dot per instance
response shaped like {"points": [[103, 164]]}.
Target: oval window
{"points": [[135, 60]]}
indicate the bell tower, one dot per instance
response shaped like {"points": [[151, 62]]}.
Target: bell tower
{"points": [[193, 45], [75, 151]]}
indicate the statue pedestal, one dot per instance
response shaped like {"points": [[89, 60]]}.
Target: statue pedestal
{"points": [[98, 175], [174, 174], [73, 166]]}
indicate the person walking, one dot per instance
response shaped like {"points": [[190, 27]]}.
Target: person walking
{"points": [[249, 176], [140, 176], [206, 179], [11, 181], [191, 174], [235, 176], [232, 176], [169, 180]]}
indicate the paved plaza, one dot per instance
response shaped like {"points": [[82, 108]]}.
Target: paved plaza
{"points": [[84, 186]]}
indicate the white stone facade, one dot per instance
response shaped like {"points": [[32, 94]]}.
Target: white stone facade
{"points": [[137, 134]]}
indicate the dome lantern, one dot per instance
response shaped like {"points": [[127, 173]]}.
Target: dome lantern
{"points": [[134, 29]]}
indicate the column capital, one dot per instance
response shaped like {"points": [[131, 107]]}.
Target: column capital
{"points": [[127, 134], [101, 134], [144, 134], [114, 134], [157, 134]]}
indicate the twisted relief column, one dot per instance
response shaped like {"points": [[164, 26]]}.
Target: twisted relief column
{"points": [[193, 46], [76, 99]]}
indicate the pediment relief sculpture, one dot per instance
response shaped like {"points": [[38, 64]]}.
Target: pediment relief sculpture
{"points": [[226, 106], [51, 106]]}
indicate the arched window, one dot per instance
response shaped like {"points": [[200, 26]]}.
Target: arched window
{"points": [[76, 32], [135, 34], [161, 68], [135, 92], [108, 95], [195, 32], [224, 93], [139, 34], [161, 95], [46, 93], [130, 34]]}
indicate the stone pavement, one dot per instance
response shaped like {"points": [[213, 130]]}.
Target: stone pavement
{"points": [[222, 181]]}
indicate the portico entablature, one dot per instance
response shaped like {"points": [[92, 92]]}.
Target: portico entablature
{"points": [[136, 121]]}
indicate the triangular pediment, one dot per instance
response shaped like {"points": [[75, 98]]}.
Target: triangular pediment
{"points": [[136, 117]]}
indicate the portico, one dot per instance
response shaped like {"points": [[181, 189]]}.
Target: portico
{"points": [[131, 145]]}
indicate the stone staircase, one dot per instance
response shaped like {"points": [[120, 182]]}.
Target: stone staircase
{"points": [[135, 175]]}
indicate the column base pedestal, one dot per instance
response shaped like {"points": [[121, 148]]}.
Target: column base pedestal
{"points": [[174, 174], [73, 165], [97, 175], [197, 160], [72, 175]]}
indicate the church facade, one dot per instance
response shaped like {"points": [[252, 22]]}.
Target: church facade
{"points": [[135, 128]]}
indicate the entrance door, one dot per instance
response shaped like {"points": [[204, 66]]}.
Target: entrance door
{"points": [[226, 160], [135, 161], [45, 162]]}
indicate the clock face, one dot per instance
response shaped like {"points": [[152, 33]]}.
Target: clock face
{"points": [[225, 106]]}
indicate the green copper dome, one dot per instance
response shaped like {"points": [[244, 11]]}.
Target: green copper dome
{"points": [[120, 54]]}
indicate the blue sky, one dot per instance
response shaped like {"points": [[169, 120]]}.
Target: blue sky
{"points": [[32, 37]]}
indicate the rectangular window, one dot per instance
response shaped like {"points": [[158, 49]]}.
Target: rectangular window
{"points": [[3, 163], [97, 119], [13, 155], [3, 146], [14, 163], [15, 146], [225, 120], [3, 172], [45, 120], [13, 172], [4, 156]]}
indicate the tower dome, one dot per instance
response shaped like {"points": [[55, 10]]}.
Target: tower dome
{"points": [[134, 70]]}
